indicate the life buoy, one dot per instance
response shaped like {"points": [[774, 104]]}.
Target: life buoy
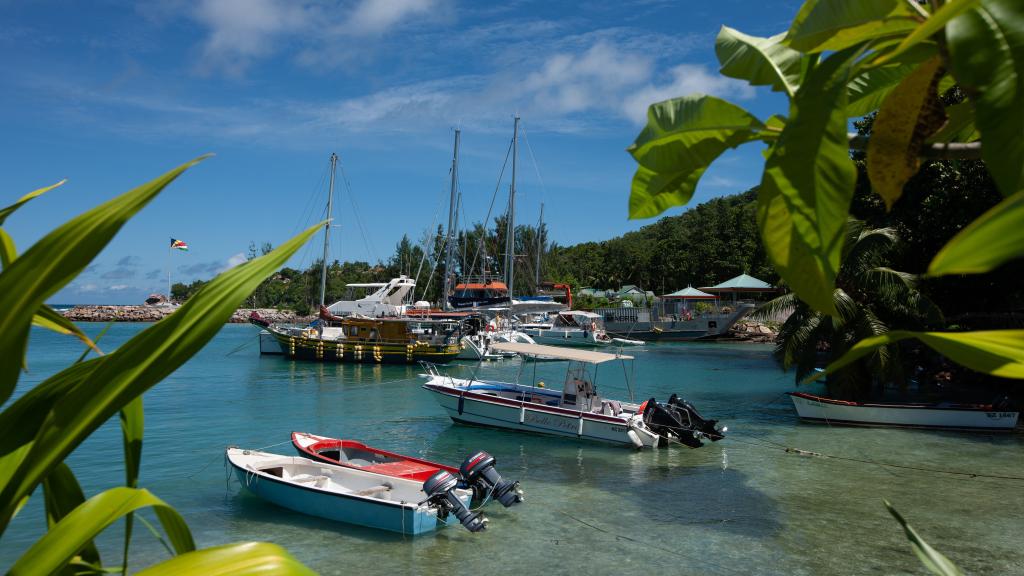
{"points": [[490, 328]]}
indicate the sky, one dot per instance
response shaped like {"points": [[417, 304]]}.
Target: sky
{"points": [[110, 94]]}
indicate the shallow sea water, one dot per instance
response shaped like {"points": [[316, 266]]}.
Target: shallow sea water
{"points": [[739, 506]]}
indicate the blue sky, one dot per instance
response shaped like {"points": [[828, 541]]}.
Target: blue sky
{"points": [[110, 94]]}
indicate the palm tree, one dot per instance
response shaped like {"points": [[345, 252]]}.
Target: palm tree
{"points": [[871, 298]]}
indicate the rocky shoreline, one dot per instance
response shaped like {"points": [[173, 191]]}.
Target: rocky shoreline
{"points": [[145, 313], [751, 331]]}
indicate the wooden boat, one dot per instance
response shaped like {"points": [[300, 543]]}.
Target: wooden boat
{"points": [[352, 454], [360, 339], [945, 415], [353, 496], [576, 411]]}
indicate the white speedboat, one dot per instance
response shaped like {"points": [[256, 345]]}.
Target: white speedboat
{"points": [[576, 328], [379, 299], [576, 411], [355, 496], [945, 415]]}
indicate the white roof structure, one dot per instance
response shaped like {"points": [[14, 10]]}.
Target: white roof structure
{"points": [[690, 293], [558, 352], [582, 313]]}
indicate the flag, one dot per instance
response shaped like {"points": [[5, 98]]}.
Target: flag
{"points": [[179, 244]]}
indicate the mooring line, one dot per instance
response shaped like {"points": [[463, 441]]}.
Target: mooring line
{"points": [[811, 453]]}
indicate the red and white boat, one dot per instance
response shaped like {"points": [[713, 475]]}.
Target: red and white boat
{"points": [[945, 415], [352, 454]]}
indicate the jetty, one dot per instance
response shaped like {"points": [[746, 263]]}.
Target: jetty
{"points": [[147, 313]]}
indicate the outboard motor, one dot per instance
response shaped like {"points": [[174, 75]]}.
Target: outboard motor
{"points": [[440, 489], [678, 419], [478, 471]]}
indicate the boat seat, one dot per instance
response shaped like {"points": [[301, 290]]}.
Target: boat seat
{"points": [[319, 480], [383, 491]]}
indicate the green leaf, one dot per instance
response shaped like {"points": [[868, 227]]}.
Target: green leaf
{"points": [[62, 494], [807, 186], [934, 24], [959, 126], [760, 61], [986, 47], [132, 427], [870, 85], [824, 25], [908, 116], [991, 240], [653, 193], [77, 400], [8, 252], [246, 559], [50, 319], [54, 261], [56, 548], [932, 559], [7, 211], [996, 352], [682, 137]]}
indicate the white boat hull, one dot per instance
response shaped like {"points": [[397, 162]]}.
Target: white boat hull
{"points": [[337, 493], [483, 410], [817, 409]]}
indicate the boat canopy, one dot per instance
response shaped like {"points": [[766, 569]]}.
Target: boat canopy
{"points": [[557, 352]]}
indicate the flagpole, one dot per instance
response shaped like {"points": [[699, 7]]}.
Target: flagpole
{"points": [[169, 274]]}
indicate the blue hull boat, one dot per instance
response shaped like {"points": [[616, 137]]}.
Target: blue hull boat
{"points": [[342, 494]]}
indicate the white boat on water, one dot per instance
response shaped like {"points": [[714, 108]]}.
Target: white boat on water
{"points": [[945, 415], [355, 496], [383, 298], [576, 411], [576, 328]]}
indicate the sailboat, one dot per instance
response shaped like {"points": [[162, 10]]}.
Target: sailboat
{"points": [[357, 338], [485, 292]]}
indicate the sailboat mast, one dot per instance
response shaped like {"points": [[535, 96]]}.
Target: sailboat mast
{"points": [[327, 231], [510, 233], [540, 246], [450, 242]]}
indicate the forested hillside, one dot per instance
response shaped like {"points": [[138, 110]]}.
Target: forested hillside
{"points": [[705, 245]]}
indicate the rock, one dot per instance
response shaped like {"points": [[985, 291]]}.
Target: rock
{"points": [[132, 313]]}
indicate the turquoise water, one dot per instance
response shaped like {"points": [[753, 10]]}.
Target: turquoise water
{"points": [[740, 506]]}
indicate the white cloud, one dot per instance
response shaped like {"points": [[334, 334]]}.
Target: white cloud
{"points": [[120, 287], [235, 260], [572, 83], [686, 79], [377, 16], [241, 30]]}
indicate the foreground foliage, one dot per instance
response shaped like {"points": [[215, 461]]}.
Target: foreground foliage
{"points": [[870, 298], [841, 60], [41, 427]]}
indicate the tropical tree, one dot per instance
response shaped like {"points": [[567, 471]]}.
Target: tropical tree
{"points": [[840, 60], [870, 299], [40, 428]]}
